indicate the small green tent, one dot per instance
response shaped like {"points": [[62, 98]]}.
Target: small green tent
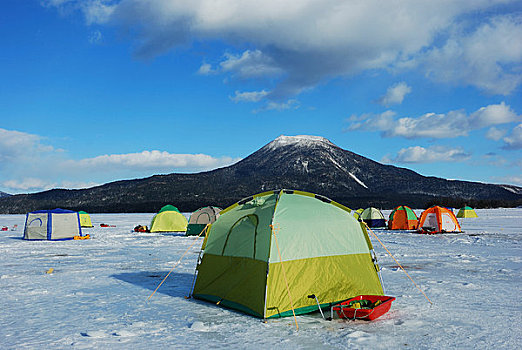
{"points": [[308, 240], [467, 212], [168, 219]]}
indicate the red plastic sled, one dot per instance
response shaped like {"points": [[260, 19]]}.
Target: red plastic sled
{"points": [[346, 310]]}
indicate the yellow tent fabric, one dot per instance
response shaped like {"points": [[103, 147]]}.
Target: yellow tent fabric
{"points": [[85, 219], [314, 241], [467, 212], [168, 221]]}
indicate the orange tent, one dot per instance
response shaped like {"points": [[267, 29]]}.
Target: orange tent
{"points": [[438, 220], [402, 218]]}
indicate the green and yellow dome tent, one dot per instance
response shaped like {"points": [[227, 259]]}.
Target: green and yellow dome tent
{"points": [[85, 219], [168, 219], [310, 241], [201, 218], [467, 212]]}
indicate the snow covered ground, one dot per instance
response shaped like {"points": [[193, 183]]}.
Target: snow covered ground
{"points": [[97, 295]]}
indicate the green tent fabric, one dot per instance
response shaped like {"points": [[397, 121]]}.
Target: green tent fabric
{"points": [[314, 241], [168, 207], [168, 219], [402, 218]]}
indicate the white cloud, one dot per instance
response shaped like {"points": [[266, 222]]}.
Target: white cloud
{"points": [[509, 179], [250, 64], [97, 11], [514, 140], [28, 184], [279, 106], [418, 154], [431, 125], [26, 163], [16, 146], [205, 69], [492, 115], [249, 96], [34, 184], [489, 57], [395, 94], [307, 42], [495, 134], [95, 37], [152, 160]]}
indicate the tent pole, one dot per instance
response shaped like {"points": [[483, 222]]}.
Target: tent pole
{"points": [[284, 273], [399, 264]]}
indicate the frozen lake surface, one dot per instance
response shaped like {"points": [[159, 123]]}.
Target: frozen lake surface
{"points": [[96, 296]]}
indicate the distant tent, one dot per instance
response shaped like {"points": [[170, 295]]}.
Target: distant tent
{"points": [[357, 213], [467, 212], [168, 219], [403, 218], [200, 218], [373, 217], [313, 241], [85, 219], [56, 224], [437, 220]]}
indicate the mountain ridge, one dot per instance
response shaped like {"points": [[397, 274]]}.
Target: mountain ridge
{"points": [[308, 163]]}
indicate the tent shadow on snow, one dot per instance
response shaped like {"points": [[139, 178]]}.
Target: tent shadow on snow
{"points": [[177, 284], [173, 234]]}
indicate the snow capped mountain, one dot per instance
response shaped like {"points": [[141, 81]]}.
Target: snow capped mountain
{"points": [[308, 163], [299, 140]]}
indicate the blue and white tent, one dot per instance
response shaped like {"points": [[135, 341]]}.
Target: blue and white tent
{"points": [[56, 224]]}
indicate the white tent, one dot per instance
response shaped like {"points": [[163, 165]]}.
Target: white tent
{"points": [[56, 224]]}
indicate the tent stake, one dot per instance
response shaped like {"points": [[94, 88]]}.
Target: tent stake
{"points": [[428, 299]]}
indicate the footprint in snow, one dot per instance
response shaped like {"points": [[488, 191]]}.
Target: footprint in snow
{"points": [[94, 334], [199, 326], [359, 336]]}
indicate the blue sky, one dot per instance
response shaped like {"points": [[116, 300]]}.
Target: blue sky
{"points": [[97, 91]]}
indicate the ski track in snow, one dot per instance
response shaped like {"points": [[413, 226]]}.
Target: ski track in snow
{"points": [[96, 296]]}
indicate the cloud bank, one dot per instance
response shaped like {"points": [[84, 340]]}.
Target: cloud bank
{"points": [[437, 126], [303, 43], [28, 164], [434, 154]]}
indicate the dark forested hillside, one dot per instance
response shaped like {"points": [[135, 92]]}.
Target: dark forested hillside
{"points": [[307, 163]]}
